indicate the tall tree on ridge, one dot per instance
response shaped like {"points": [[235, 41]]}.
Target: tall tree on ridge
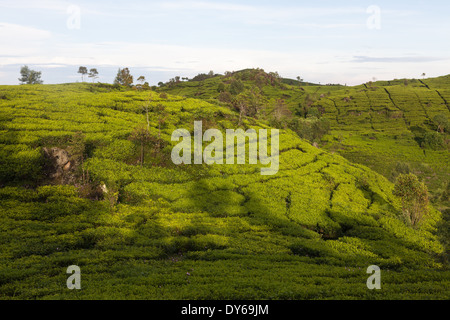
{"points": [[30, 76], [123, 77], [93, 73], [83, 71]]}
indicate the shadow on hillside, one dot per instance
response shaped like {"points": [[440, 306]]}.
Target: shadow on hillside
{"points": [[255, 210], [236, 202]]}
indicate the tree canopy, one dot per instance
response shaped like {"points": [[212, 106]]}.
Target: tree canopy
{"points": [[29, 76], [124, 77], [83, 71], [414, 196], [93, 73]]}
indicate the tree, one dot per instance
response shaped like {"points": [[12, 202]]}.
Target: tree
{"points": [[240, 104], [30, 76], [274, 78], [236, 87], [414, 196], [93, 73], [160, 111], [225, 96], [141, 135], [280, 114], [442, 122], [83, 71], [280, 110], [400, 168], [141, 79], [423, 75], [221, 87], [312, 128], [123, 77], [433, 140], [253, 100]]}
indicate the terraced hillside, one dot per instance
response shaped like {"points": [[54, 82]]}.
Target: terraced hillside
{"points": [[140, 227], [382, 125]]}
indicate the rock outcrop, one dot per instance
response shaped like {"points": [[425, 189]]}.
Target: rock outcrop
{"points": [[58, 164]]}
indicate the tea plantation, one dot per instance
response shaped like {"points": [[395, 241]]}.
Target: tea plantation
{"points": [[382, 124], [140, 227]]}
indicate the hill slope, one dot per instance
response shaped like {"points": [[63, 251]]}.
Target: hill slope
{"points": [[191, 232], [383, 125]]}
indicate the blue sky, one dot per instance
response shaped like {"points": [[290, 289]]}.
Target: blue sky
{"points": [[348, 42]]}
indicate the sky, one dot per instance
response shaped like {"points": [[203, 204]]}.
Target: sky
{"points": [[347, 42]]}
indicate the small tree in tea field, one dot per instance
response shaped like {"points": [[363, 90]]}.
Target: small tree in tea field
{"points": [[141, 135], [414, 196], [83, 71]]}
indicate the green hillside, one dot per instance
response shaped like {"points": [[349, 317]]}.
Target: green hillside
{"points": [[388, 126], [140, 227]]}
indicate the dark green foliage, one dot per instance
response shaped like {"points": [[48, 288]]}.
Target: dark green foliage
{"points": [[414, 195], [221, 87], [203, 76], [442, 122], [29, 76], [433, 140], [312, 129], [400, 168], [236, 87], [123, 78], [141, 135], [93, 73], [83, 71]]}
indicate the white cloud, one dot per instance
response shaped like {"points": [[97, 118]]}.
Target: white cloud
{"points": [[266, 15], [18, 33], [17, 42], [178, 5], [315, 66], [53, 5], [51, 66]]}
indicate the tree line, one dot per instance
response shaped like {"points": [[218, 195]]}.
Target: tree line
{"points": [[93, 73], [123, 77]]}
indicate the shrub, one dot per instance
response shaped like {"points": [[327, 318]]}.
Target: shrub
{"points": [[236, 87], [441, 121], [414, 196], [312, 129], [225, 97], [400, 168], [433, 140], [221, 87]]}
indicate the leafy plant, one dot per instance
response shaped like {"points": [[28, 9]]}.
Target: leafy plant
{"points": [[414, 196], [29, 76]]}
